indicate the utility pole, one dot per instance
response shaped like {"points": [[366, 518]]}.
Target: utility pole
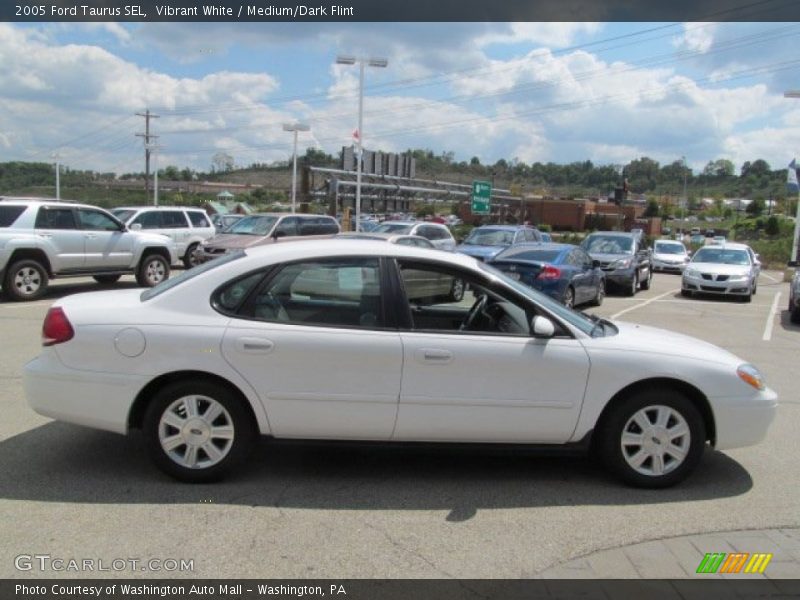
{"points": [[147, 147], [57, 158]]}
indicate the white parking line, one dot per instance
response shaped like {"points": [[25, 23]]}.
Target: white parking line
{"points": [[5, 305], [771, 318], [645, 303], [770, 277]]}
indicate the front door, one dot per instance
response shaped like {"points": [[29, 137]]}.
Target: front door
{"points": [[472, 371], [107, 245]]}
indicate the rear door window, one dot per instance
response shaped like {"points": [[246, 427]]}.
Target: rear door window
{"points": [[55, 218], [148, 220], [174, 219]]}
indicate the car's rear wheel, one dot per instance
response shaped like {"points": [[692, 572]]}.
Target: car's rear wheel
{"points": [[192, 256], [153, 269], [569, 297], [601, 293], [106, 279], [25, 280], [645, 285], [794, 315], [197, 431], [652, 439]]}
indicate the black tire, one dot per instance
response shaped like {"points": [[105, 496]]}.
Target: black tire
{"points": [[686, 293], [457, 290], [234, 450], [755, 287], [569, 297], [190, 259], [25, 280], [601, 293], [619, 420], [632, 289], [106, 279], [748, 297], [794, 316], [645, 285], [152, 270]]}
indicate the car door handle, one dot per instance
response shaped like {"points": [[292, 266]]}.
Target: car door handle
{"points": [[90, 236], [46, 236], [435, 355], [254, 345]]}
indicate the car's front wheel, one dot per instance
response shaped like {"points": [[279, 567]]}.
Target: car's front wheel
{"points": [[197, 431], [634, 286], [153, 269], [652, 439], [645, 285]]}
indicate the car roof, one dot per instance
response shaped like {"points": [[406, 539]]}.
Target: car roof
{"points": [[31, 201], [299, 249], [157, 208], [728, 245], [615, 233], [506, 227]]}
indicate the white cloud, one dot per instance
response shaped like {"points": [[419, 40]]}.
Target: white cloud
{"points": [[697, 37], [554, 34]]}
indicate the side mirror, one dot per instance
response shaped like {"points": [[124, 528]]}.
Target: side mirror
{"points": [[136, 227], [542, 327]]}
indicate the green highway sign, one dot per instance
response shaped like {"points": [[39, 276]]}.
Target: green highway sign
{"points": [[481, 197]]}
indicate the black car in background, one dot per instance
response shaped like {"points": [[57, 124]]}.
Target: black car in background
{"points": [[624, 258]]}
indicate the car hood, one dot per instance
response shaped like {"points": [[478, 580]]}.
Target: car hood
{"points": [[236, 240], [719, 269], [642, 339], [479, 251]]}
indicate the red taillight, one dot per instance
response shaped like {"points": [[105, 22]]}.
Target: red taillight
{"points": [[57, 328], [549, 272]]}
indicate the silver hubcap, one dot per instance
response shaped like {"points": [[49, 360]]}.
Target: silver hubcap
{"points": [[196, 432], [194, 257], [601, 292], [28, 281], [655, 440], [569, 299], [155, 272]]}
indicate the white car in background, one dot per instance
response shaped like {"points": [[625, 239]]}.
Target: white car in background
{"points": [[436, 233], [669, 256], [186, 226], [344, 340], [722, 269]]}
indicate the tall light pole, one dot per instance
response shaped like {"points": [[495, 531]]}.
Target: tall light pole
{"points": [[362, 62], [796, 238], [685, 195], [58, 175], [295, 127]]}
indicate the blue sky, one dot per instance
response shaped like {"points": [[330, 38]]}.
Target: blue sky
{"points": [[560, 92]]}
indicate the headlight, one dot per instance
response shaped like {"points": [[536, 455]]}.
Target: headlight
{"points": [[623, 263], [692, 273], [737, 278], [751, 376]]}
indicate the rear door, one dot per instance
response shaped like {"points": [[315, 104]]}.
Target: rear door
{"points": [[57, 230]]}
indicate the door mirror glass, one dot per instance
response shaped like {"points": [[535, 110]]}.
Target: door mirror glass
{"points": [[542, 327]]}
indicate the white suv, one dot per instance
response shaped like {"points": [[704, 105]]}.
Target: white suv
{"points": [[187, 227], [436, 233]]}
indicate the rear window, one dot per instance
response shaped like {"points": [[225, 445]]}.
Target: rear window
{"points": [[9, 214], [528, 254], [198, 218]]}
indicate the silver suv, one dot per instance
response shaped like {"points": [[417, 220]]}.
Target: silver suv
{"points": [[187, 227], [42, 239]]}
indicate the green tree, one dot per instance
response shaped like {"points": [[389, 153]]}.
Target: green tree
{"points": [[652, 209], [755, 208]]}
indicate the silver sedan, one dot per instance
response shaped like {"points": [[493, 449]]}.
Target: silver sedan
{"points": [[726, 269]]}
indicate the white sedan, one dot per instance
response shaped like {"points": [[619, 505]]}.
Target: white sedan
{"points": [[343, 339]]}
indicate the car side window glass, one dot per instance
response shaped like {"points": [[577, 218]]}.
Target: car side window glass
{"points": [[96, 221], [453, 302], [148, 220], [335, 293], [55, 218], [287, 227], [231, 297], [198, 219], [174, 219]]}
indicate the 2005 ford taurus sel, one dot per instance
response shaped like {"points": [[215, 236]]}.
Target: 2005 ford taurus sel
{"points": [[343, 340]]}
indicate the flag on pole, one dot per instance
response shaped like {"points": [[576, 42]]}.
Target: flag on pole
{"points": [[791, 178], [356, 135]]}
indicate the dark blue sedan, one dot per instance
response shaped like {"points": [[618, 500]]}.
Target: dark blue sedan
{"points": [[562, 271]]}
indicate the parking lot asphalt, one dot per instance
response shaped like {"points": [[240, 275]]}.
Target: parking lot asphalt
{"points": [[304, 510]]}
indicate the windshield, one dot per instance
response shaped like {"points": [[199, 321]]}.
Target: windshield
{"points": [[172, 282], [723, 256], [669, 248], [574, 318], [608, 244], [490, 237], [393, 228], [526, 253], [253, 225], [123, 214]]}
